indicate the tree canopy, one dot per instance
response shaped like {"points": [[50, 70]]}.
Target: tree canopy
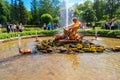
{"points": [[89, 11]]}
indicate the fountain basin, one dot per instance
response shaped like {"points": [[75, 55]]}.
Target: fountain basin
{"points": [[85, 66]]}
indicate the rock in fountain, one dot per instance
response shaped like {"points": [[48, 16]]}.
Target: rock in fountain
{"points": [[116, 48], [69, 42], [53, 46]]}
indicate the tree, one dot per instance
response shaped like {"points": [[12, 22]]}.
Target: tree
{"points": [[56, 19], [29, 19], [46, 18], [118, 13], [45, 6], [22, 12], [34, 12], [85, 11], [55, 7], [49, 7], [111, 7], [99, 7], [89, 15], [4, 11]]}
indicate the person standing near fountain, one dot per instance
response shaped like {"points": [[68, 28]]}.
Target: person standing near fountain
{"points": [[8, 27], [93, 25], [70, 31], [0, 28]]}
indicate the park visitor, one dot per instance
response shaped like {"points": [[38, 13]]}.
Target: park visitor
{"points": [[93, 25], [44, 26], [8, 27], [49, 26], [0, 28], [20, 27]]}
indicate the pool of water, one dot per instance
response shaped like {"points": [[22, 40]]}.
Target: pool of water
{"points": [[84, 66]]}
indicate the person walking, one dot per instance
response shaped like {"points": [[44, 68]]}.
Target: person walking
{"points": [[0, 28]]}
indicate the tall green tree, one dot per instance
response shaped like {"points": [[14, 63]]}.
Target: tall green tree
{"points": [[55, 7], [4, 11], [89, 15], [85, 11], [22, 12], [49, 7], [34, 12], [111, 7], [45, 6], [99, 7]]}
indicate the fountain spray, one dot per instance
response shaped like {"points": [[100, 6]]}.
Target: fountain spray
{"points": [[19, 41], [66, 12], [96, 33], [36, 35]]}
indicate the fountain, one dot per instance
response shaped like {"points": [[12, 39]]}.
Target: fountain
{"points": [[22, 50], [69, 42], [66, 66], [37, 39], [66, 12], [96, 33]]}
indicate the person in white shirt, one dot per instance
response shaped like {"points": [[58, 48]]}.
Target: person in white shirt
{"points": [[112, 25], [20, 27]]}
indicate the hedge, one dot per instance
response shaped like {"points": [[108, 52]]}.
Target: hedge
{"points": [[106, 33], [25, 33]]}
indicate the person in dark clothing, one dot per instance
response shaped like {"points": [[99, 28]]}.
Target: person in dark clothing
{"points": [[8, 27]]}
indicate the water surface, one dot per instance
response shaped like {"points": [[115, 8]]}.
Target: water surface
{"points": [[85, 66]]}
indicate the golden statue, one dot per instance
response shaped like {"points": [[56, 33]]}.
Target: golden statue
{"points": [[70, 32]]}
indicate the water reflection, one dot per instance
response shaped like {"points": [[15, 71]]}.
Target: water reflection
{"points": [[74, 59]]}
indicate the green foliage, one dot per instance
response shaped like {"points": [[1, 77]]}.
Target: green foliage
{"points": [[56, 19], [111, 7], [46, 18], [40, 7], [106, 33], [117, 13], [4, 11], [89, 15], [100, 7], [22, 12], [34, 12], [85, 11], [32, 31], [25, 33]]}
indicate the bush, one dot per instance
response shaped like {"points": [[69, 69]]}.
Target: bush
{"points": [[46, 18], [106, 33], [25, 33], [56, 20]]}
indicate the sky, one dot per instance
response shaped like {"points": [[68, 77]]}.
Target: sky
{"points": [[27, 3]]}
